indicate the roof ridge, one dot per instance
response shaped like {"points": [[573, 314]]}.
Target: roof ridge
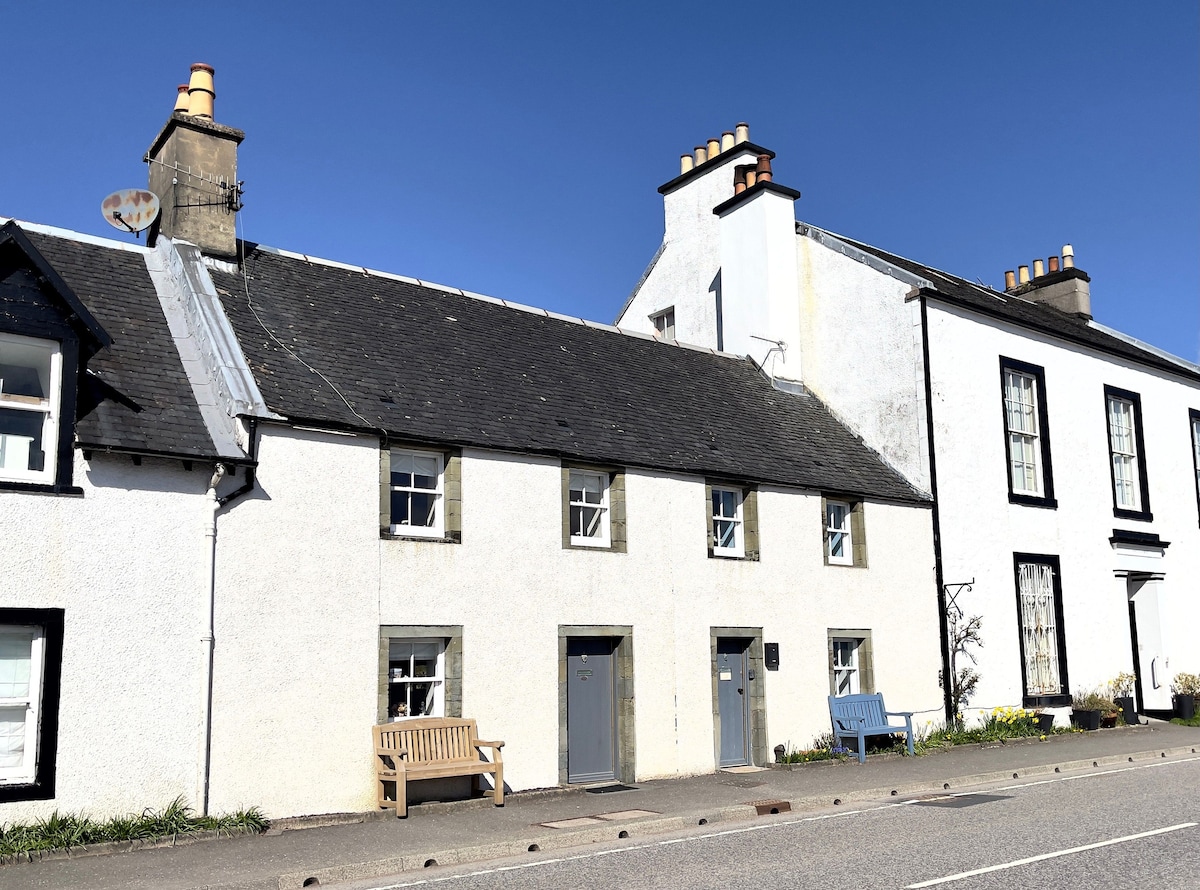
{"points": [[485, 298], [71, 235]]}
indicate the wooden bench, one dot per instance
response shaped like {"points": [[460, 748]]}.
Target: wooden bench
{"points": [[858, 716], [431, 748]]}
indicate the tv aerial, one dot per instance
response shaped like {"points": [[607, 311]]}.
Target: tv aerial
{"points": [[130, 210]]}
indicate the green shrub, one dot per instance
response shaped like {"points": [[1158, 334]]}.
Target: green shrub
{"points": [[64, 830]]}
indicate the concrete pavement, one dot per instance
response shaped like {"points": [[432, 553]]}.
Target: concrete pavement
{"points": [[469, 831]]}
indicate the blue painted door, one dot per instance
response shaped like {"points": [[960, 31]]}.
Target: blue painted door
{"points": [[591, 710], [733, 702]]}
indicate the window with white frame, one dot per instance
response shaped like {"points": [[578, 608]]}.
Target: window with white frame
{"points": [[416, 678], [664, 324], [417, 489], [845, 667], [727, 528], [1040, 612], [21, 667], [1125, 446], [839, 546], [589, 509], [1021, 412], [30, 383]]}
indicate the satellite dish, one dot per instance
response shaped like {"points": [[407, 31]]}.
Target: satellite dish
{"points": [[130, 210]]}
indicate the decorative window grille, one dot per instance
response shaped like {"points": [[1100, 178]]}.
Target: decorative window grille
{"points": [[1021, 413], [1039, 630]]}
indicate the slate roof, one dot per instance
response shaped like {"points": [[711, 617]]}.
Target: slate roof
{"points": [[1027, 313], [429, 365], [146, 403]]}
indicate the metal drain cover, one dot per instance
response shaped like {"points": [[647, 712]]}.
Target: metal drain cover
{"points": [[609, 789]]}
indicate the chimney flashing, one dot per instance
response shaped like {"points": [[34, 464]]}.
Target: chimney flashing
{"points": [[740, 150], [762, 185]]}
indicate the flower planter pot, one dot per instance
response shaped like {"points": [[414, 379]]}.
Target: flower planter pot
{"points": [[1185, 706], [1109, 721], [1045, 722], [1086, 719], [1128, 709]]}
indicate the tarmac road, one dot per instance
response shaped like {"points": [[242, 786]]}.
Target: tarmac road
{"points": [[1131, 826]]}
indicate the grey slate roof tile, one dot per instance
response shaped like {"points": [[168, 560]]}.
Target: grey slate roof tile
{"points": [[142, 366], [432, 365], [1025, 312]]}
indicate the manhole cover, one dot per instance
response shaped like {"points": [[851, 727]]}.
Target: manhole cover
{"points": [[958, 801], [609, 789], [770, 807]]}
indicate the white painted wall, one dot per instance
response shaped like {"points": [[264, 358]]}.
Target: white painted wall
{"points": [[126, 563], [981, 529]]}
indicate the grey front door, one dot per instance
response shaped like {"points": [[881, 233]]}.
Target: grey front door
{"points": [[733, 708], [591, 710]]}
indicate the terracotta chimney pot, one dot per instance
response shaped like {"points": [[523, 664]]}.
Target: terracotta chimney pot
{"points": [[181, 99], [200, 91], [1053, 264], [726, 140], [699, 155], [686, 164], [741, 133], [1010, 279], [750, 177], [1068, 255], [1039, 268], [1023, 274], [763, 169], [714, 148]]}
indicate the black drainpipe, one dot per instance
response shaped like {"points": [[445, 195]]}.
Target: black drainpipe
{"points": [[939, 577]]}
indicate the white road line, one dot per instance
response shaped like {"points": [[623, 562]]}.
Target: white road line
{"points": [[1055, 855], [767, 826]]}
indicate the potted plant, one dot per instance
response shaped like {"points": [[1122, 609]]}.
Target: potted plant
{"points": [[1184, 689], [1088, 707], [1121, 687], [1045, 721]]}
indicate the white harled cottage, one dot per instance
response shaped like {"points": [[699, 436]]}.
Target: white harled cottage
{"points": [[253, 502], [1063, 457]]}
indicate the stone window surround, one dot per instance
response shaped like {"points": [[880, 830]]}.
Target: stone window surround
{"points": [[866, 656], [617, 530], [450, 635], [451, 492], [858, 532], [750, 524]]}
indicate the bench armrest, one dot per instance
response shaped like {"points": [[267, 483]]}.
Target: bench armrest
{"points": [[897, 713], [401, 753], [479, 743]]}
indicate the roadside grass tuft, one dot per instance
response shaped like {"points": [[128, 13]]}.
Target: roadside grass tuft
{"points": [[60, 831]]}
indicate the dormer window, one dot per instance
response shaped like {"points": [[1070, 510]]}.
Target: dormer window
{"points": [[664, 324], [30, 387]]}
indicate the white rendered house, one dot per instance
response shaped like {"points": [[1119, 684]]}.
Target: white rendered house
{"points": [[281, 499], [1063, 457]]}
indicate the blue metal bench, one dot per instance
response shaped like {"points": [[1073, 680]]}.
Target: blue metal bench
{"points": [[858, 716]]}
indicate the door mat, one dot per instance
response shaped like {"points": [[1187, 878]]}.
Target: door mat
{"points": [[744, 769], [609, 789]]}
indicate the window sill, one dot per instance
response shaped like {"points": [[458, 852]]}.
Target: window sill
{"points": [[1063, 700], [1136, 515], [845, 565], [1032, 500], [448, 538], [594, 548], [42, 488], [734, 557]]}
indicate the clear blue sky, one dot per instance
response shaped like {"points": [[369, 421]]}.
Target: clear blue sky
{"points": [[515, 149]]}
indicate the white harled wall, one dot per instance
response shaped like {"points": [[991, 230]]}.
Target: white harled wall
{"points": [[305, 583], [126, 561], [981, 529]]}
